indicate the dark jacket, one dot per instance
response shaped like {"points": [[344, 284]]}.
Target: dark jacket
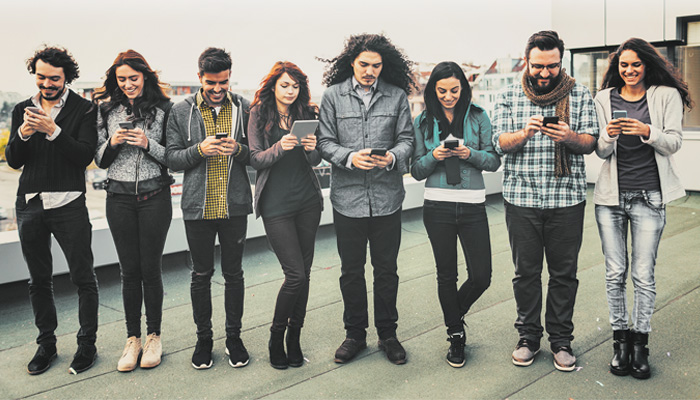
{"points": [[58, 165]]}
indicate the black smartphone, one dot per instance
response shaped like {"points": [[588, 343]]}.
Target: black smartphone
{"points": [[221, 135], [378, 152], [550, 120], [617, 114], [126, 125], [451, 144]]}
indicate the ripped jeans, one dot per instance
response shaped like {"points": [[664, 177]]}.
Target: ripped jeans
{"points": [[201, 235], [645, 215]]}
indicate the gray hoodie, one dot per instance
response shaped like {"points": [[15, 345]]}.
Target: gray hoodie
{"points": [[185, 131]]}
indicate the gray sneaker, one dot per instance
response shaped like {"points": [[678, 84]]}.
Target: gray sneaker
{"points": [[524, 353], [564, 359]]}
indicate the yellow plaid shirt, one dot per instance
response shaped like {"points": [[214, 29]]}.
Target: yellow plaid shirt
{"points": [[215, 206]]}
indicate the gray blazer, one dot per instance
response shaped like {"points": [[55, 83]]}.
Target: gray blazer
{"points": [[346, 126]]}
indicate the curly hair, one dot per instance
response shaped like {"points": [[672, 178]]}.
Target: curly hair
{"points": [[302, 108], [58, 57], [154, 91], [657, 70], [396, 68]]}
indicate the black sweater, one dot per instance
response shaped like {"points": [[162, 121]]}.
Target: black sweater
{"points": [[58, 165]]}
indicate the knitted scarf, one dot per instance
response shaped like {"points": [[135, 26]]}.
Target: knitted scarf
{"points": [[560, 96]]}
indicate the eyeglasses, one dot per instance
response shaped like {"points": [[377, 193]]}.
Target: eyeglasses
{"points": [[540, 67]]}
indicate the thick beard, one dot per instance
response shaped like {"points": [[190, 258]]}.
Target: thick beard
{"points": [[553, 83]]}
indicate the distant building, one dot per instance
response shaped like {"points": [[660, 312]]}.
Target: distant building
{"points": [[488, 83]]}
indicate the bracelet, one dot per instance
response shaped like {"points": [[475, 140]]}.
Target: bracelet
{"points": [[240, 149]]}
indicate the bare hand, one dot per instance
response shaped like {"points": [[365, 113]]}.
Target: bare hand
{"points": [[534, 125], [363, 160], [559, 132], [383, 161], [136, 137], [211, 146], [39, 122], [462, 152], [120, 136], [288, 142], [441, 152], [614, 128], [309, 142], [633, 127]]}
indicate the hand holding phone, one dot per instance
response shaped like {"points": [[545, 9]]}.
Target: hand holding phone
{"points": [[378, 152], [35, 110], [550, 120], [221, 135], [617, 114], [128, 125]]}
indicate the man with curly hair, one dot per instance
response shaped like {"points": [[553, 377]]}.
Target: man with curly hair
{"points": [[53, 138], [366, 134]]}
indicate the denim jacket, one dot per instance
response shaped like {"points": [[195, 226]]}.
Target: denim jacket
{"points": [[346, 126], [476, 135]]}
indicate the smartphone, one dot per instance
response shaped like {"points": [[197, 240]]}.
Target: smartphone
{"points": [[451, 144], [550, 120], [377, 152], [221, 135], [617, 114], [126, 125], [35, 110]]}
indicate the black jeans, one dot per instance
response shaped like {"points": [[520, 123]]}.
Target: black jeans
{"points": [[555, 234], [384, 236], [445, 222], [71, 227], [201, 235], [292, 237], [139, 229]]}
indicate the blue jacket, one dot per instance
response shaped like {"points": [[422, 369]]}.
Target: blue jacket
{"points": [[477, 136], [347, 126]]}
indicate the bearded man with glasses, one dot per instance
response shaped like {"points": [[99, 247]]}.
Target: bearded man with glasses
{"points": [[544, 189]]}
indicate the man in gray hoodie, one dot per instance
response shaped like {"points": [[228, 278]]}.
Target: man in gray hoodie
{"points": [[206, 139]]}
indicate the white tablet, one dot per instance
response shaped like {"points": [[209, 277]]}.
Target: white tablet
{"points": [[304, 128]]}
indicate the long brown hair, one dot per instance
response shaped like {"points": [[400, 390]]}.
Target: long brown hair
{"points": [[154, 91], [265, 97]]}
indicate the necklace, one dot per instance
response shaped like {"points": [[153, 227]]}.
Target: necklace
{"points": [[284, 119]]}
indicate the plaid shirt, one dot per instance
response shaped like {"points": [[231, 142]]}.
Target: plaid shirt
{"points": [[217, 166], [528, 175]]}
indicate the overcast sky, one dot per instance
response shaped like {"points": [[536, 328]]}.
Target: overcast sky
{"points": [[171, 34]]}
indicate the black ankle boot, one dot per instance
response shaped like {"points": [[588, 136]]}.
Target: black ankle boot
{"points": [[295, 358], [640, 356], [620, 363], [278, 358]]}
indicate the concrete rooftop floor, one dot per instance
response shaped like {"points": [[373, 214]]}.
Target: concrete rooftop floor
{"points": [[488, 373]]}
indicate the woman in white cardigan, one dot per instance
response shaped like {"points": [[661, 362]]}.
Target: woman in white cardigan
{"points": [[640, 113]]}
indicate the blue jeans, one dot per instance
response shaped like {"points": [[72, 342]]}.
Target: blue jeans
{"points": [[292, 237], [445, 222], [139, 229], [201, 235], [71, 227], [555, 234], [645, 215]]}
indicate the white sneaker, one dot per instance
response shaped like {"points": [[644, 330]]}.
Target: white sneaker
{"points": [[130, 356], [152, 351]]}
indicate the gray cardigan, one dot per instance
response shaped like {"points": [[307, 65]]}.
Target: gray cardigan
{"points": [[185, 132], [666, 137]]}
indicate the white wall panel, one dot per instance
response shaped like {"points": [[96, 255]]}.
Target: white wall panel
{"points": [[634, 18], [579, 23]]}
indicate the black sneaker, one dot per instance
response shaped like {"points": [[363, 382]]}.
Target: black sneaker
{"points": [[42, 359], [238, 355], [393, 349], [348, 350], [83, 359], [201, 359], [455, 355]]}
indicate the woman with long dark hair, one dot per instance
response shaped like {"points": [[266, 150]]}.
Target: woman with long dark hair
{"points": [[453, 147], [287, 196], [640, 113], [132, 116]]}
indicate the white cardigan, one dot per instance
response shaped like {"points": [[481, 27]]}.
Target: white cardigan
{"points": [[666, 137]]}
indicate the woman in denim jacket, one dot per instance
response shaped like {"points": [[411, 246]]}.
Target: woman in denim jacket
{"points": [[636, 181], [453, 147], [288, 196], [139, 207]]}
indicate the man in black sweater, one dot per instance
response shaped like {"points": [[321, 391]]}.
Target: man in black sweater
{"points": [[53, 139]]}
